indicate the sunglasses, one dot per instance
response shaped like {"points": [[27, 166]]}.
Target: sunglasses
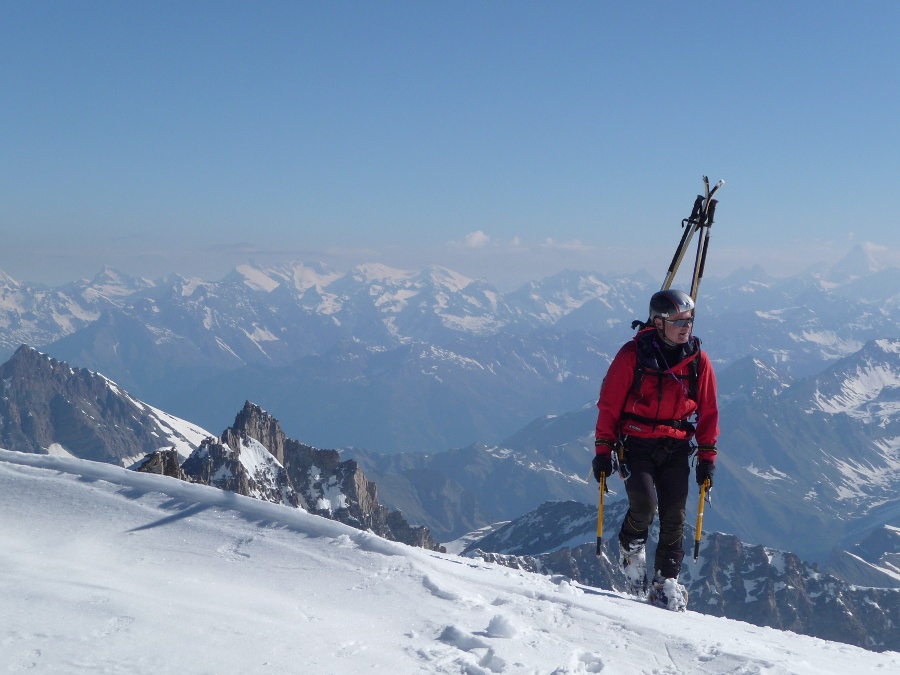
{"points": [[681, 323]]}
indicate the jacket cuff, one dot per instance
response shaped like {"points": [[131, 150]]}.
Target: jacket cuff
{"points": [[707, 453], [603, 447]]}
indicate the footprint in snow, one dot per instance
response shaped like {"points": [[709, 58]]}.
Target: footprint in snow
{"points": [[437, 591], [581, 662]]}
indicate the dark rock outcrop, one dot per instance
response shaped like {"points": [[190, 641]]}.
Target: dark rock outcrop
{"points": [[163, 463]]}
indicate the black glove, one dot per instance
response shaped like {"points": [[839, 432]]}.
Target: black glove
{"points": [[602, 463], [705, 470]]}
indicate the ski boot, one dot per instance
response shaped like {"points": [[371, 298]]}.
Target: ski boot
{"points": [[633, 565], [668, 594]]}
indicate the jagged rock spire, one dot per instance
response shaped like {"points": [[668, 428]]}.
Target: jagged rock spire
{"points": [[255, 458], [254, 422]]}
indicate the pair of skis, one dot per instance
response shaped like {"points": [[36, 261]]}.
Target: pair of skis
{"points": [[700, 221]]}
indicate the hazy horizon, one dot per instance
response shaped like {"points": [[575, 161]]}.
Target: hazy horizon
{"points": [[505, 140], [502, 281]]}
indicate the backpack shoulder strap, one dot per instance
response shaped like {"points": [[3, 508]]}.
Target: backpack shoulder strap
{"points": [[694, 376], [639, 371]]}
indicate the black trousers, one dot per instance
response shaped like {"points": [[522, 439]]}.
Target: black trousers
{"points": [[660, 473]]}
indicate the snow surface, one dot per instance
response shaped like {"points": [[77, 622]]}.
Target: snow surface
{"points": [[256, 279], [372, 272], [315, 276], [110, 571]]}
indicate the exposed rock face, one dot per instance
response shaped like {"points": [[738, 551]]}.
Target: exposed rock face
{"points": [[246, 469], [255, 458], [47, 406], [774, 588], [253, 422], [163, 463]]}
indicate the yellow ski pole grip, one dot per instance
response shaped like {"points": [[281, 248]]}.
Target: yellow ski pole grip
{"points": [[600, 512], [703, 488]]}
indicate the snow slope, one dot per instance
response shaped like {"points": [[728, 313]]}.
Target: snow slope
{"points": [[105, 570]]}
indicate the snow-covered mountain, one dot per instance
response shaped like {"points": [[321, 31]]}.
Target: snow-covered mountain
{"points": [[874, 561], [797, 471], [255, 458], [792, 475], [37, 315], [428, 361], [49, 407], [253, 308], [822, 455], [375, 337], [181, 576], [384, 342]]}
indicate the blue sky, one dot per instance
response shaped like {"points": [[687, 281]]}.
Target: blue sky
{"points": [[506, 140]]}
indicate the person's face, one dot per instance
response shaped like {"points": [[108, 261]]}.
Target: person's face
{"points": [[672, 331]]}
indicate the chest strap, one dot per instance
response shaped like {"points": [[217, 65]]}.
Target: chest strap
{"points": [[675, 424]]}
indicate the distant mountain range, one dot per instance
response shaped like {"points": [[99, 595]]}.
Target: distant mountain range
{"points": [[801, 474], [392, 360], [813, 468]]}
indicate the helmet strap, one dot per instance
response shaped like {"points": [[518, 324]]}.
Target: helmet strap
{"points": [[661, 334]]}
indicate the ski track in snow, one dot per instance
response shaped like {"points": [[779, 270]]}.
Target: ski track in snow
{"points": [[111, 571]]}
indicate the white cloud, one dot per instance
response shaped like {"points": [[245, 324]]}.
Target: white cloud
{"points": [[477, 239]]}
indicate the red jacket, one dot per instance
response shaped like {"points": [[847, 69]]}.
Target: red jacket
{"points": [[618, 401]]}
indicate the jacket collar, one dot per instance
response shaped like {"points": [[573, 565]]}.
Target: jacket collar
{"points": [[650, 351]]}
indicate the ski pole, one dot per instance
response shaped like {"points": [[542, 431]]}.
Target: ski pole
{"points": [[703, 490], [600, 511], [707, 213], [690, 227], [702, 248], [699, 221]]}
